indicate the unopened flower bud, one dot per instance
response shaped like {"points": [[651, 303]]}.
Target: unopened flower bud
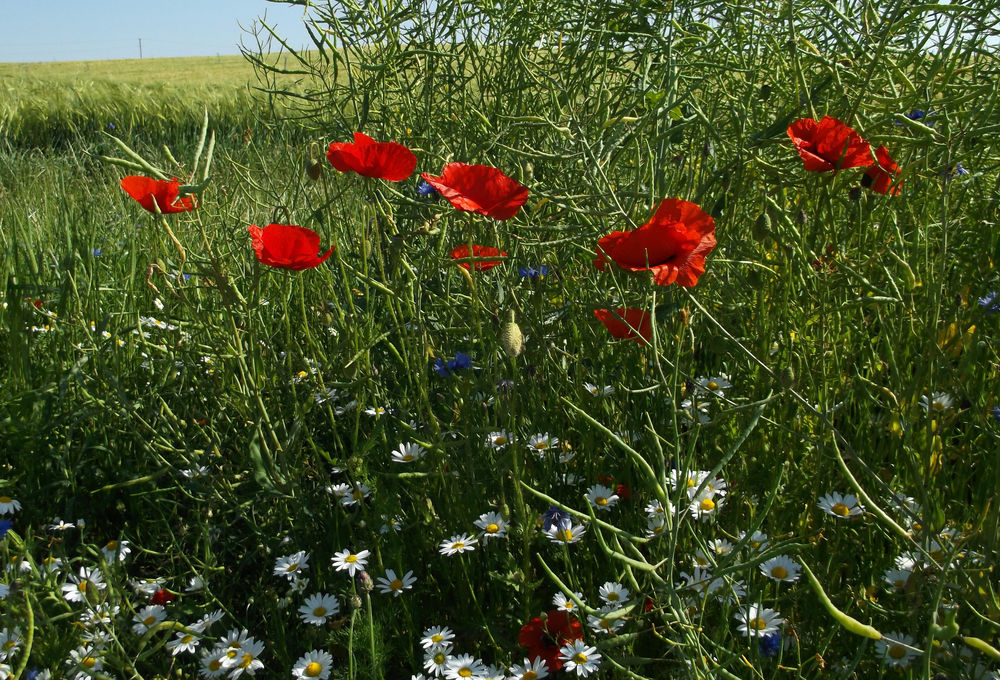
{"points": [[365, 583], [511, 338], [313, 162], [762, 226], [802, 218], [355, 602], [787, 377]]}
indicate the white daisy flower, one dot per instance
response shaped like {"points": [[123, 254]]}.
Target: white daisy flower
{"points": [[315, 664], [436, 659], [492, 524], [211, 664], [896, 649], [696, 409], [116, 551], [842, 506], [438, 636], [51, 564], [147, 617], [601, 624], [530, 670], [499, 439], [566, 532], [464, 667], [614, 593], [318, 608], [579, 658], [781, 568], [183, 643], [458, 543], [720, 547], [59, 525], [541, 443], [378, 411], [350, 562], [408, 453], [84, 663], [758, 622], [601, 497], [292, 566], [390, 583], [705, 506], [655, 525], [757, 541], [77, 588], [897, 578], [937, 403], [562, 601], [247, 661], [596, 391], [10, 641], [716, 385]]}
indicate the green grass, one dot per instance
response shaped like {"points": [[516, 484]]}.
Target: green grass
{"points": [[210, 438]]}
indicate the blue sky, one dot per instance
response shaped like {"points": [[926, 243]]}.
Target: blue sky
{"points": [[71, 30]]}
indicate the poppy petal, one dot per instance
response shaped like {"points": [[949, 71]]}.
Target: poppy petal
{"points": [[390, 161], [287, 246], [480, 189]]}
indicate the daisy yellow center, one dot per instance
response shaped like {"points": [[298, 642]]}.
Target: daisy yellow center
{"points": [[458, 545], [396, 584], [612, 597], [186, 639], [658, 530], [49, 560], [436, 638], [112, 545], [566, 535], [707, 505], [357, 495], [899, 583], [82, 586], [351, 559], [840, 509], [439, 658], [492, 528], [9, 644], [712, 385], [580, 658], [701, 561], [465, 672], [691, 483], [569, 604], [246, 661], [407, 457], [897, 652], [5, 499], [529, 675], [214, 665], [758, 624], [779, 572], [292, 567], [149, 620], [302, 374], [319, 611], [88, 662], [541, 446], [313, 669], [499, 441], [605, 624], [601, 500]]}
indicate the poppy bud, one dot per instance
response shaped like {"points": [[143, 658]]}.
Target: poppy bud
{"points": [[511, 338], [529, 172], [314, 162], [762, 226]]}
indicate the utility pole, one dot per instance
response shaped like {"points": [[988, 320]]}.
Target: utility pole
{"points": [[140, 48]]}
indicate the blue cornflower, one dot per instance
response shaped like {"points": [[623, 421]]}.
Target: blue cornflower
{"points": [[770, 645], [990, 303], [916, 114], [424, 189], [957, 171], [5, 525], [445, 369], [96, 252], [995, 412], [538, 272], [111, 126], [31, 674], [554, 517]]}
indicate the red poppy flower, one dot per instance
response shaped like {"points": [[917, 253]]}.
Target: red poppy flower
{"points": [[879, 177], [478, 251], [544, 638], [479, 189], [287, 246], [829, 145], [157, 195], [638, 319], [161, 597], [386, 160], [672, 244]]}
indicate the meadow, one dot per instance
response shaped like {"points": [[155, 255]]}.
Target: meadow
{"points": [[488, 435]]}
